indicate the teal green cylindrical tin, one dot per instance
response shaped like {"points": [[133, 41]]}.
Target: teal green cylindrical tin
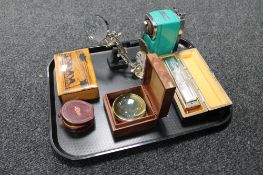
{"points": [[166, 26]]}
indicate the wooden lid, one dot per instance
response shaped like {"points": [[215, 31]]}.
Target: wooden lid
{"points": [[74, 72], [77, 112], [158, 85]]}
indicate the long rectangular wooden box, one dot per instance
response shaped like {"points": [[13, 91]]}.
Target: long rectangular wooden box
{"points": [[211, 93]]}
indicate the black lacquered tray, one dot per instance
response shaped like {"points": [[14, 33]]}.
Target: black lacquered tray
{"points": [[100, 141]]}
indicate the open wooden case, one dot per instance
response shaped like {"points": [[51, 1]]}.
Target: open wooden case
{"points": [[156, 89], [210, 93]]}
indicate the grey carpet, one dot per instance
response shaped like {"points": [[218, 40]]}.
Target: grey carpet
{"points": [[229, 35]]}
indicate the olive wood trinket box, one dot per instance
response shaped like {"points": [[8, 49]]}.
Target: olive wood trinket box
{"points": [[75, 76], [77, 116], [156, 89]]}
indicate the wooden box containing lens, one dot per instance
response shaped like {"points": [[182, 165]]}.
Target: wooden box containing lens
{"points": [[156, 89], [75, 76]]}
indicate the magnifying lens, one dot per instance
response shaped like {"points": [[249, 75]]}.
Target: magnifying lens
{"points": [[96, 28]]}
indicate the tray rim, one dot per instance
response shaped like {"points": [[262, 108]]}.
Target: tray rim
{"points": [[83, 157]]}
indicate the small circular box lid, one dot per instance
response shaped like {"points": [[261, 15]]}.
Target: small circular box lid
{"points": [[77, 112]]}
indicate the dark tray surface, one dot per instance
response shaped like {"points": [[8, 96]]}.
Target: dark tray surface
{"points": [[100, 141]]}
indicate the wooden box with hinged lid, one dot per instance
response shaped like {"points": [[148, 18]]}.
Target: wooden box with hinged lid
{"points": [[75, 76], [195, 74], [156, 90]]}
